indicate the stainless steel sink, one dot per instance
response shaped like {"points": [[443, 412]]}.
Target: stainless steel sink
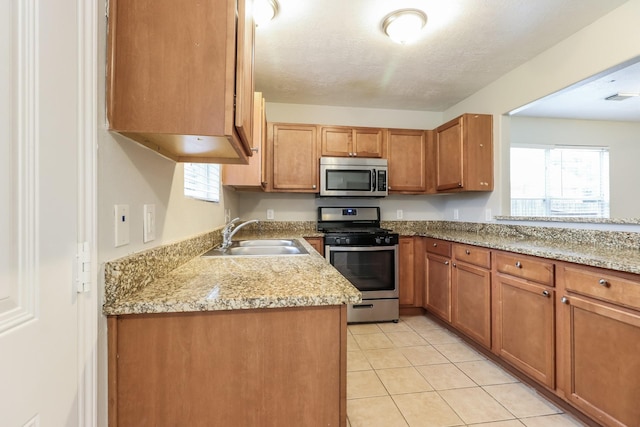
{"points": [[266, 247], [266, 242]]}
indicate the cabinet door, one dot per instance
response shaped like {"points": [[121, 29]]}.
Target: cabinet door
{"points": [[244, 73], [367, 142], [406, 153], [252, 175], [525, 327], [602, 348], [317, 243], [449, 167], [438, 286], [336, 141], [471, 301], [293, 149], [406, 272]]}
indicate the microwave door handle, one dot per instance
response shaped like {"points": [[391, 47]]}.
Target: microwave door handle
{"points": [[374, 174]]}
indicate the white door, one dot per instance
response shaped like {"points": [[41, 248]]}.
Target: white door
{"points": [[42, 212]]}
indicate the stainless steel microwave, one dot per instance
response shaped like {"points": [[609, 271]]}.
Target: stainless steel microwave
{"points": [[353, 177]]}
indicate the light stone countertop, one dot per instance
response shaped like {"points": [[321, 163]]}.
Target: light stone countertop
{"points": [[595, 254], [231, 283]]}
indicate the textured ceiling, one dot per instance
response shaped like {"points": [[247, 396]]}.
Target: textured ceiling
{"points": [[333, 52]]}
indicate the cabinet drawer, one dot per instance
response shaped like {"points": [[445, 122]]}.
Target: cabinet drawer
{"points": [[473, 255], [602, 285], [439, 247], [525, 267]]}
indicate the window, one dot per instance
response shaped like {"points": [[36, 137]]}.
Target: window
{"points": [[560, 181], [202, 181]]}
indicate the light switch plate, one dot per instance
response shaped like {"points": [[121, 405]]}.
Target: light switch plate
{"points": [[270, 214], [399, 214], [121, 224], [149, 223], [456, 214]]}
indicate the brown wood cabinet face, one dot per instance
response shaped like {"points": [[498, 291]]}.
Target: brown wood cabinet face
{"points": [[471, 301], [174, 91], [406, 154], [340, 141], [270, 367], [438, 247], [524, 327], [525, 267], [253, 175], [438, 285], [317, 243], [406, 272], [464, 154], [293, 149], [602, 351]]}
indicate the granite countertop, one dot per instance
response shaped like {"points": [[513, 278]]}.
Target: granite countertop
{"points": [[231, 283], [595, 253]]}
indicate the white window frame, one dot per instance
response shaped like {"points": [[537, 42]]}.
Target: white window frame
{"points": [[202, 181], [555, 205]]}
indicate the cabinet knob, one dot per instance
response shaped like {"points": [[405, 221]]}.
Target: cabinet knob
{"points": [[314, 186], [564, 300], [518, 264], [603, 282], [254, 149], [546, 294], [459, 184], [454, 264], [446, 263], [435, 244], [468, 252]]}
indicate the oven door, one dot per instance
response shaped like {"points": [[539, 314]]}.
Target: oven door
{"points": [[371, 269]]}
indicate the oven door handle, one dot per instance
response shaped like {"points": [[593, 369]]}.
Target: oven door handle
{"points": [[380, 248], [374, 185]]}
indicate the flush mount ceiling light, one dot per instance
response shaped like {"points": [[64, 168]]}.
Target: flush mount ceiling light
{"points": [[621, 96], [404, 26], [264, 11]]}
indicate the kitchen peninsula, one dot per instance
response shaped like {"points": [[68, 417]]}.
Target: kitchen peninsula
{"points": [[227, 340]]}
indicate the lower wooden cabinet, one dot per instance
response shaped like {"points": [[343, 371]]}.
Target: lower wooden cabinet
{"points": [[471, 301], [601, 345], [276, 367], [406, 273], [437, 294], [317, 243], [524, 327]]}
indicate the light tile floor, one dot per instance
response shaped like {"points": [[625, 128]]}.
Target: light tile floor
{"points": [[416, 373]]}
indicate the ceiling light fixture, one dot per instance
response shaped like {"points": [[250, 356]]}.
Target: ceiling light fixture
{"points": [[404, 25], [264, 11], [621, 96]]}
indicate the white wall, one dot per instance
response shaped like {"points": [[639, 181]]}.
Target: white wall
{"points": [[609, 41], [622, 138]]}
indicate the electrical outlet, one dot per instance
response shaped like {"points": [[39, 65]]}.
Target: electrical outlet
{"points": [[399, 214], [270, 214], [149, 223], [227, 215], [121, 224], [456, 214], [487, 215]]}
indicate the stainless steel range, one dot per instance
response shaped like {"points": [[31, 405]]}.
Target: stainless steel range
{"points": [[367, 256]]}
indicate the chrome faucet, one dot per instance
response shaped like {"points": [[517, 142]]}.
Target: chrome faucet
{"points": [[230, 230]]}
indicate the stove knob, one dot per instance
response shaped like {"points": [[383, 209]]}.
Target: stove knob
{"points": [[387, 240], [378, 240], [347, 240]]}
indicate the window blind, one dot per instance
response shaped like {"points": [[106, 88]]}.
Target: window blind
{"points": [[202, 181]]}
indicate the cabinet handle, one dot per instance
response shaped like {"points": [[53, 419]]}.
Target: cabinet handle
{"points": [[446, 263], [604, 283], [546, 294], [518, 264], [468, 252], [564, 300], [255, 149]]}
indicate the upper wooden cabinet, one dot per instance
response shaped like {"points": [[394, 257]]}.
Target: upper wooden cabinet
{"points": [[293, 153], [180, 77], [464, 154], [340, 141], [407, 157], [254, 175]]}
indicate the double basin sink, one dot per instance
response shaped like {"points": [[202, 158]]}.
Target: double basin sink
{"points": [[259, 247]]}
